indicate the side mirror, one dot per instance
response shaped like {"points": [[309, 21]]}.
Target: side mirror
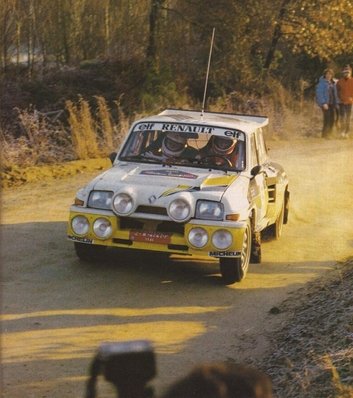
{"points": [[112, 156], [255, 170]]}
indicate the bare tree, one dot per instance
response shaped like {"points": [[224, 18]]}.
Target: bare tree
{"points": [[7, 29]]}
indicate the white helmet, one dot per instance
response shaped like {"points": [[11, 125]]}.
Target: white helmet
{"points": [[173, 144], [223, 145]]}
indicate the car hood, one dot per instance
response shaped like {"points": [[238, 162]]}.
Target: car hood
{"points": [[163, 180]]}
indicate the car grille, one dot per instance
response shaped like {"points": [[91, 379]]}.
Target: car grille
{"points": [[159, 211], [131, 223], [159, 226]]}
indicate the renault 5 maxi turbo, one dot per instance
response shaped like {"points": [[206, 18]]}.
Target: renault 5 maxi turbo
{"points": [[187, 183]]}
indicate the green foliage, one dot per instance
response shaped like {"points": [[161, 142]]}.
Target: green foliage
{"points": [[159, 90]]}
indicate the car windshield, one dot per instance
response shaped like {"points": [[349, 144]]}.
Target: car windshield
{"points": [[187, 145]]}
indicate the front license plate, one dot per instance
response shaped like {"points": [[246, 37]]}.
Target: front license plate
{"points": [[150, 237], [80, 239]]}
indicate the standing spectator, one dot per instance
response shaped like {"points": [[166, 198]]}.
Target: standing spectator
{"points": [[327, 99], [345, 95]]}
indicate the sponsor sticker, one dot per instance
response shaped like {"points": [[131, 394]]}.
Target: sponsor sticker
{"points": [[190, 128], [150, 237], [80, 239], [224, 254]]}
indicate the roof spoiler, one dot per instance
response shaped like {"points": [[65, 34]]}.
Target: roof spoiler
{"points": [[260, 119]]}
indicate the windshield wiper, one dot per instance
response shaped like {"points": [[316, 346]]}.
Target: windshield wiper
{"points": [[138, 158], [131, 157]]}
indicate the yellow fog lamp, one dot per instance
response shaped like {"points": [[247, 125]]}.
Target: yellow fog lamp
{"points": [[80, 225], [102, 228], [222, 239]]}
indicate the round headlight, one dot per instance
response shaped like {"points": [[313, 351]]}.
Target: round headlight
{"points": [[123, 203], [222, 239], [80, 225], [179, 210], [198, 237], [102, 228]]}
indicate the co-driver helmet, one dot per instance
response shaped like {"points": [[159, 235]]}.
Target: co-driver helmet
{"points": [[223, 145]]}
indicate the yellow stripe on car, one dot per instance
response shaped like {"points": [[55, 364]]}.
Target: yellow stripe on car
{"points": [[221, 181], [179, 188]]}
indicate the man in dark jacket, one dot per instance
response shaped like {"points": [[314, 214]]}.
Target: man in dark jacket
{"points": [[327, 99]]}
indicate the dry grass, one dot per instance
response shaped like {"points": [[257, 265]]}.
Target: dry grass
{"points": [[83, 132], [87, 134], [93, 137], [42, 141], [123, 124], [342, 390], [288, 117], [106, 124]]}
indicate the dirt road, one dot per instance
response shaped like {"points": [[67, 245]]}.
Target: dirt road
{"points": [[56, 311]]}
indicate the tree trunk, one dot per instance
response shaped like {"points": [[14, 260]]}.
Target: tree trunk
{"points": [[277, 33], [65, 49], [18, 42], [30, 39], [151, 52], [107, 29], [6, 23]]}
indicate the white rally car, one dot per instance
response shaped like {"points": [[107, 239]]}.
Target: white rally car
{"points": [[187, 183]]}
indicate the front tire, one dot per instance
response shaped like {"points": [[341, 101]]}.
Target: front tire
{"points": [[255, 257], [235, 269], [89, 253]]}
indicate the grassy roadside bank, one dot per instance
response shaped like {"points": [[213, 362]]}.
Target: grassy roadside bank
{"points": [[312, 353], [16, 175]]}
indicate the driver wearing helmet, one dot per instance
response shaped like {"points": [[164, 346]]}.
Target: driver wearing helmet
{"points": [[223, 146], [220, 151], [171, 145]]}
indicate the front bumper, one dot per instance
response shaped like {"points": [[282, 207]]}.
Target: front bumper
{"points": [[157, 235]]}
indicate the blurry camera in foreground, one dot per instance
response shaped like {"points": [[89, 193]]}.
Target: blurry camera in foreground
{"points": [[128, 365]]}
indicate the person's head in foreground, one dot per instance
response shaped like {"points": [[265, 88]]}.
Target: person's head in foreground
{"points": [[222, 380]]}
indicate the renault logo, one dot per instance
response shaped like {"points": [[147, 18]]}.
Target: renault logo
{"points": [[152, 199]]}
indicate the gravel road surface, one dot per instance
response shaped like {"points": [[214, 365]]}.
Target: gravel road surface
{"points": [[56, 310]]}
